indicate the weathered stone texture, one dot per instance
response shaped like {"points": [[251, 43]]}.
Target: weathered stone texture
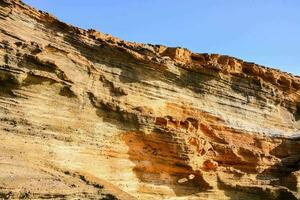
{"points": [[87, 115]]}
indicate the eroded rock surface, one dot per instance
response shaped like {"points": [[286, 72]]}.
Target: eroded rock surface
{"points": [[87, 115]]}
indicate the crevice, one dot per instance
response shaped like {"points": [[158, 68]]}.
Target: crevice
{"points": [[297, 113], [66, 91]]}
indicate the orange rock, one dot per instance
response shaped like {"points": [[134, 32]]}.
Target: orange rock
{"points": [[210, 165], [161, 121], [179, 54], [138, 121]]}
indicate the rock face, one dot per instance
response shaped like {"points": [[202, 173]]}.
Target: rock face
{"points": [[86, 115]]}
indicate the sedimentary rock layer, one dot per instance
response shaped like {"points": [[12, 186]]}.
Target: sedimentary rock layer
{"points": [[87, 115]]}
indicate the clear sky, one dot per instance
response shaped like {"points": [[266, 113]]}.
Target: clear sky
{"points": [[263, 31]]}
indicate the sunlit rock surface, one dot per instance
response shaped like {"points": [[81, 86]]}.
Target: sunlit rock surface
{"points": [[89, 116]]}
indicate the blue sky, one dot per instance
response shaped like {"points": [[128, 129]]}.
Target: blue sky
{"points": [[263, 31]]}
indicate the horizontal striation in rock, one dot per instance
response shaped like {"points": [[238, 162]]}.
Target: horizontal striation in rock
{"points": [[87, 115]]}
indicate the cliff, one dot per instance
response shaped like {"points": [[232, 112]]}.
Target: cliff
{"points": [[87, 115]]}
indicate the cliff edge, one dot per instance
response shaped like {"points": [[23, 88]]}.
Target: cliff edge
{"points": [[86, 115]]}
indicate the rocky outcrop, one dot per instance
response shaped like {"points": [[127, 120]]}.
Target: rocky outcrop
{"points": [[87, 115]]}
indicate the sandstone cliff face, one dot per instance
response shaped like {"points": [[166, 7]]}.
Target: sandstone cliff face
{"points": [[86, 115]]}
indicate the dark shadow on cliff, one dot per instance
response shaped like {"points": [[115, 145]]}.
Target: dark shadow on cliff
{"points": [[110, 112], [297, 113], [289, 154], [238, 192], [283, 181], [8, 83], [282, 172], [160, 160]]}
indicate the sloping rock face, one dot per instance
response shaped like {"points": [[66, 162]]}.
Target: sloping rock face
{"points": [[86, 115]]}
